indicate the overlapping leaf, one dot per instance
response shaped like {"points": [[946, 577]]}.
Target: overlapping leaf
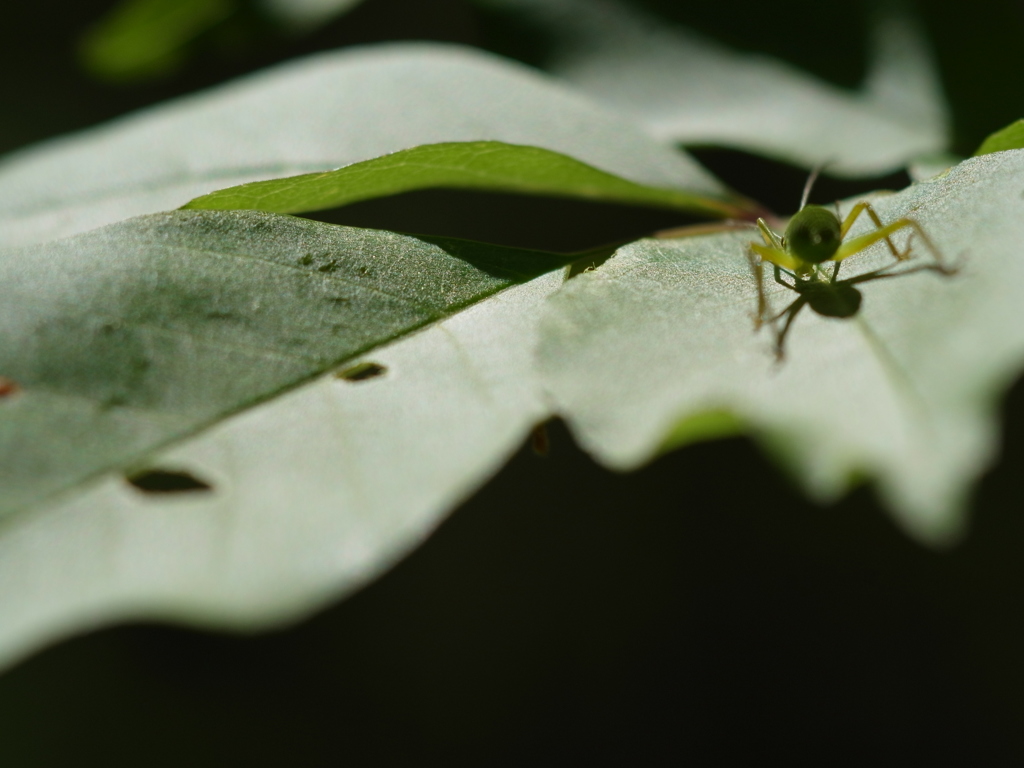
{"points": [[484, 165], [313, 115], [683, 87], [1010, 137]]}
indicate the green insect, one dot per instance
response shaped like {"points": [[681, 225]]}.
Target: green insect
{"points": [[814, 236]]}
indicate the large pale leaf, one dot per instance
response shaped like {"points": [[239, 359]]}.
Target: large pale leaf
{"points": [[484, 165], [132, 336], [312, 115], [657, 347], [683, 87], [312, 494]]}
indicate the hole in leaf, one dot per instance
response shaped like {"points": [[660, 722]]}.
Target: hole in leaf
{"points": [[167, 481], [362, 372]]}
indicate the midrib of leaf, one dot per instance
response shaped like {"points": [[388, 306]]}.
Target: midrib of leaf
{"points": [[275, 327], [484, 165], [900, 380]]}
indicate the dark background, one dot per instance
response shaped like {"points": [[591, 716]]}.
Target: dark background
{"points": [[697, 612]]}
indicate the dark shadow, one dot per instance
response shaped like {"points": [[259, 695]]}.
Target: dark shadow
{"points": [[699, 611], [778, 185], [555, 224]]}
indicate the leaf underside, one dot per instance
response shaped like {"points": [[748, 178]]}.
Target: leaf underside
{"points": [[685, 88], [322, 112]]}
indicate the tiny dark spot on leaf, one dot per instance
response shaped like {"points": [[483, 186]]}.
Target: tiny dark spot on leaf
{"points": [[339, 299], [540, 441], [215, 314], [330, 266], [364, 270], [8, 387], [113, 401], [362, 372], [307, 259], [167, 481]]}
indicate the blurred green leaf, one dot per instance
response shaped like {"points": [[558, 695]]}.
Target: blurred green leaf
{"points": [[1010, 137], [141, 39], [485, 165], [905, 393], [147, 39]]}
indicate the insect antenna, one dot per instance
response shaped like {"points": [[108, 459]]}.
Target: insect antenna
{"points": [[813, 177]]}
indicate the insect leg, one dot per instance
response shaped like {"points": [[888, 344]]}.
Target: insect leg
{"points": [[776, 256], [858, 244], [790, 314], [880, 274], [762, 302], [866, 207], [771, 239], [777, 270]]}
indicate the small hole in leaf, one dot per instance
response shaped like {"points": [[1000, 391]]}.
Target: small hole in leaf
{"points": [[8, 387], [167, 481], [362, 372]]}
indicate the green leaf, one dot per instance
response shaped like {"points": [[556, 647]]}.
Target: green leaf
{"points": [[1010, 137], [484, 165], [683, 87], [311, 115], [313, 494], [307, 14], [905, 393], [124, 339], [140, 39]]}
